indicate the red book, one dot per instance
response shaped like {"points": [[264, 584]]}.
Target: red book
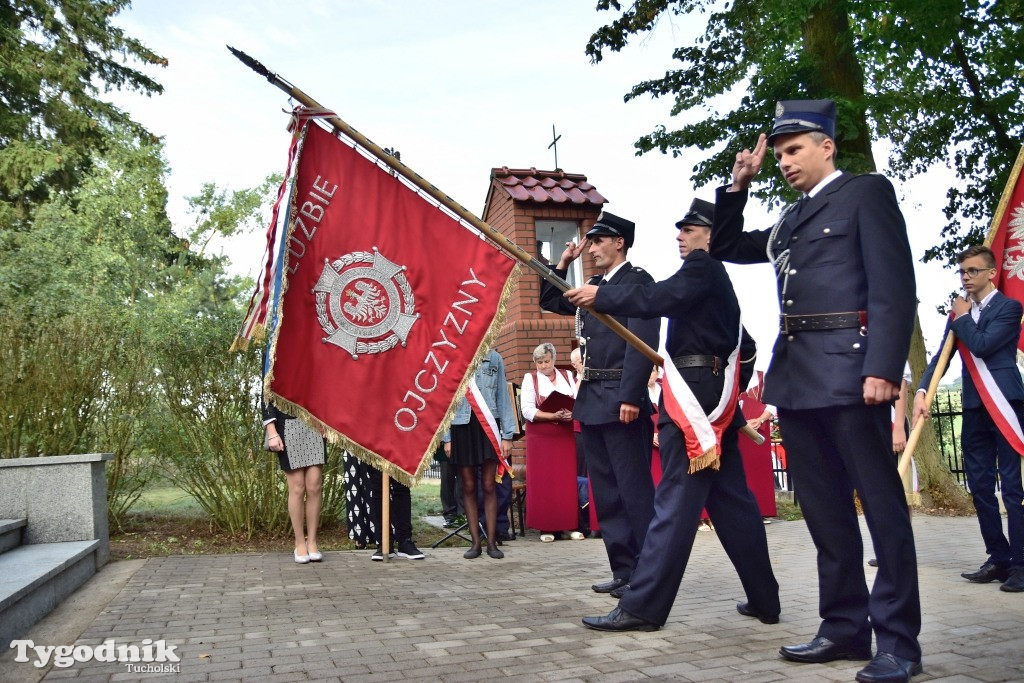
{"points": [[556, 401]]}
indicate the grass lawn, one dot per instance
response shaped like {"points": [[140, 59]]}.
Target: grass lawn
{"points": [[168, 521]]}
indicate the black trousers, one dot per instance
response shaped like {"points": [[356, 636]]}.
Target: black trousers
{"points": [[401, 508], [677, 506], [987, 451], [831, 452], [451, 491], [619, 463]]}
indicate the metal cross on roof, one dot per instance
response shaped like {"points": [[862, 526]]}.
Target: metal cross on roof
{"points": [[554, 144]]}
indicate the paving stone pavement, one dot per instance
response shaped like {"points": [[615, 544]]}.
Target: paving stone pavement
{"points": [[263, 617]]}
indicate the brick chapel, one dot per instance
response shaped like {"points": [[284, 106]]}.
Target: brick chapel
{"points": [[540, 211]]}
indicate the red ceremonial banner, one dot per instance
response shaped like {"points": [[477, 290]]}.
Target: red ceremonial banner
{"points": [[389, 303], [1008, 245]]}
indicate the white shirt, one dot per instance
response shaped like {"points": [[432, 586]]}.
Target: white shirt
{"points": [[824, 181], [528, 395], [976, 306], [655, 393], [608, 276]]}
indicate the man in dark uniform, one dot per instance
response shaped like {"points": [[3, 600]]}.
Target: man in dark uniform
{"points": [[613, 406], [846, 289], [703, 333]]}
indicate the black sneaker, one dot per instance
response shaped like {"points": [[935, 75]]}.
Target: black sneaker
{"points": [[409, 551], [378, 556]]}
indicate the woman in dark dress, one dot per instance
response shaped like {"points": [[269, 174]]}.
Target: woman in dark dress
{"points": [[301, 453], [359, 493], [468, 446]]}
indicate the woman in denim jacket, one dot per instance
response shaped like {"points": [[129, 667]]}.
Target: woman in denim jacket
{"points": [[466, 445]]}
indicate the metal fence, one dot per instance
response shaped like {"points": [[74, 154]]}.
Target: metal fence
{"points": [[946, 419]]}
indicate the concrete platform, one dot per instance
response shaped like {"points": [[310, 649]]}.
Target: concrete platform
{"points": [[263, 617]]}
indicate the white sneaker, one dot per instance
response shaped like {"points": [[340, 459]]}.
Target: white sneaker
{"points": [[576, 536]]}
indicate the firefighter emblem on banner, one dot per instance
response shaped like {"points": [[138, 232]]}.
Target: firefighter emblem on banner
{"points": [[364, 303]]}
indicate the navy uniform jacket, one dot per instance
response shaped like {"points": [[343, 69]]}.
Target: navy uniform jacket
{"points": [[994, 340], [704, 319], [847, 252], [598, 400]]}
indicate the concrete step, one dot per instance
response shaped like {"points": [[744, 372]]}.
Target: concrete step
{"points": [[10, 533], [36, 578]]}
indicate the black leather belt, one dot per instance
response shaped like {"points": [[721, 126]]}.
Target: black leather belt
{"points": [[713, 362], [599, 374], [824, 321]]}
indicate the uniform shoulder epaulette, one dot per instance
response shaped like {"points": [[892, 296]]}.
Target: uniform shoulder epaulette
{"points": [[638, 269]]}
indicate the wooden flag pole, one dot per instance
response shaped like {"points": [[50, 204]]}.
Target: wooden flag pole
{"points": [[416, 179], [947, 347]]}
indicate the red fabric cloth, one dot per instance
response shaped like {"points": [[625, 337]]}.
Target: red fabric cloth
{"points": [[388, 301], [757, 460], [552, 496]]}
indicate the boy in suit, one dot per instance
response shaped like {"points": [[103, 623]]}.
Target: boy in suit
{"points": [[987, 327]]}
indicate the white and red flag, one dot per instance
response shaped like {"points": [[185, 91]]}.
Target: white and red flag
{"points": [[1007, 243], [388, 303]]}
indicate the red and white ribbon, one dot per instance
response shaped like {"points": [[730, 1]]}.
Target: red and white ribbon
{"points": [[1002, 413], [703, 432]]}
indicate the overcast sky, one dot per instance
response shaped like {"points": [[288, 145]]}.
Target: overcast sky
{"points": [[458, 87]]}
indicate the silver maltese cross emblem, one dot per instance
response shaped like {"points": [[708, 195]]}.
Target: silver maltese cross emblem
{"points": [[364, 303]]}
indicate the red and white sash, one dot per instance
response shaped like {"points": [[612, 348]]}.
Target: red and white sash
{"points": [[489, 423], [703, 433], [995, 403]]}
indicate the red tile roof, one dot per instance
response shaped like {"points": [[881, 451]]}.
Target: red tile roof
{"points": [[529, 184]]}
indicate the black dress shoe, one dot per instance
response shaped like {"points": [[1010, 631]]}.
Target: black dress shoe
{"points": [[887, 668], [619, 592], [744, 609], [472, 553], [609, 586], [619, 620], [821, 650], [1015, 582], [987, 573], [494, 553]]}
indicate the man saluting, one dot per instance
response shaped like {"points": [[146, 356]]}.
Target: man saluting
{"points": [[613, 405], [846, 290]]}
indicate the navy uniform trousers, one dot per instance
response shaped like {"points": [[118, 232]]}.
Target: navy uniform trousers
{"points": [[620, 477], [831, 452], [678, 501]]}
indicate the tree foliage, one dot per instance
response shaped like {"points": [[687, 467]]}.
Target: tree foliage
{"points": [[940, 79], [57, 59], [95, 287]]}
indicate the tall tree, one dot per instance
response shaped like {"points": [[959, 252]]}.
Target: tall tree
{"points": [[57, 58], [937, 78]]}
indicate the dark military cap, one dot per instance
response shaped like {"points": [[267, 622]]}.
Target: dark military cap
{"points": [[804, 116], [613, 226], [700, 213]]}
